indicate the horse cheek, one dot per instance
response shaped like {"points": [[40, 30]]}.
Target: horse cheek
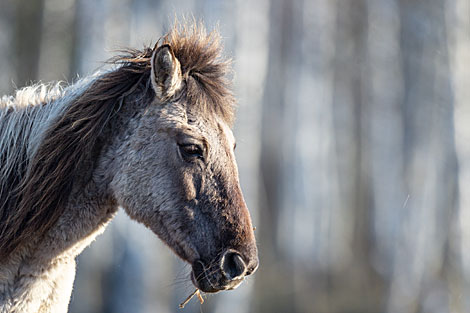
{"points": [[189, 189]]}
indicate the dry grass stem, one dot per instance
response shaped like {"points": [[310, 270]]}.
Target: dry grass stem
{"points": [[196, 292]]}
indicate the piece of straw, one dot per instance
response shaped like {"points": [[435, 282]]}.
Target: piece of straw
{"points": [[199, 296], [196, 292]]}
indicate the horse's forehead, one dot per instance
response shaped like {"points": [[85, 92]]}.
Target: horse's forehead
{"points": [[213, 127]]}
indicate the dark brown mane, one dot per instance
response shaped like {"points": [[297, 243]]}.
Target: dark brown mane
{"points": [[32, 202]]}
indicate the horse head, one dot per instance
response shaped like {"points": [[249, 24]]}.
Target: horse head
{"points": [[176, 170]]}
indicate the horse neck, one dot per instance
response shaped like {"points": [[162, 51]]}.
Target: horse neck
{"points": [[47, 267], [22, 128], [90, 205]]}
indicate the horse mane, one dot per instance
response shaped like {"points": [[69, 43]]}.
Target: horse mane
{"points": [[204, 69], [36, 184]]}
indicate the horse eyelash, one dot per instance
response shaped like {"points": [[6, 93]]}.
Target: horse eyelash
{"points": [[188, 155]]}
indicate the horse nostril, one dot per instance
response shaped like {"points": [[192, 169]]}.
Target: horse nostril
{"points": [[232, 265]]}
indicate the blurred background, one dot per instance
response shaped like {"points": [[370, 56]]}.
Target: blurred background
{"points": [[353, 145]]}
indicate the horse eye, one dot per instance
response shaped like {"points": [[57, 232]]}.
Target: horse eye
{"points": [[191, 151]]}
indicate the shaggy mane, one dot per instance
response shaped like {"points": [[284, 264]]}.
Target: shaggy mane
{"points": [[33, 95], [34, 189]]}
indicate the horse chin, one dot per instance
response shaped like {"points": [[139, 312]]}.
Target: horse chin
{"points": [[211, 282]]}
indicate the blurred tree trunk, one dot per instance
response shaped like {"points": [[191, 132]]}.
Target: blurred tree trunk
{"points": [[384, 138], [57, 47], [419, 282], [27, 40], [276, 272], [350, 116], [458, 25], [7, 9]]}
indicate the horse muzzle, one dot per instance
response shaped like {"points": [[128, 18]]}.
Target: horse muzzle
{"points": [[227, 273]]}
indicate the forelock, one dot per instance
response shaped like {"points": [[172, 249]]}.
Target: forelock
{"points": [[204, 69]]}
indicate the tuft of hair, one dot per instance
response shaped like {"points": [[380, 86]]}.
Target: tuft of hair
{"points": [[32, 200], [203, 68], [33, 95]]}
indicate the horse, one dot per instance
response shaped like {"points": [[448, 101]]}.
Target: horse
{"points": [[152, 134]]}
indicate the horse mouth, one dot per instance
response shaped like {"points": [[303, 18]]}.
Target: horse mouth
{"points": [[212, 281]]}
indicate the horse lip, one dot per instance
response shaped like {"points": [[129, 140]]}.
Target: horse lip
{"points": [[237, 283], [193, 279], [204, 277], [198, 286]]}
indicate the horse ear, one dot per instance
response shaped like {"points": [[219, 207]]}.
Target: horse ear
{"points": [[166, 73]]}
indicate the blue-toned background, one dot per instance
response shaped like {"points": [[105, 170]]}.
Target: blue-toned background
{"points": [[353, 138]]}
